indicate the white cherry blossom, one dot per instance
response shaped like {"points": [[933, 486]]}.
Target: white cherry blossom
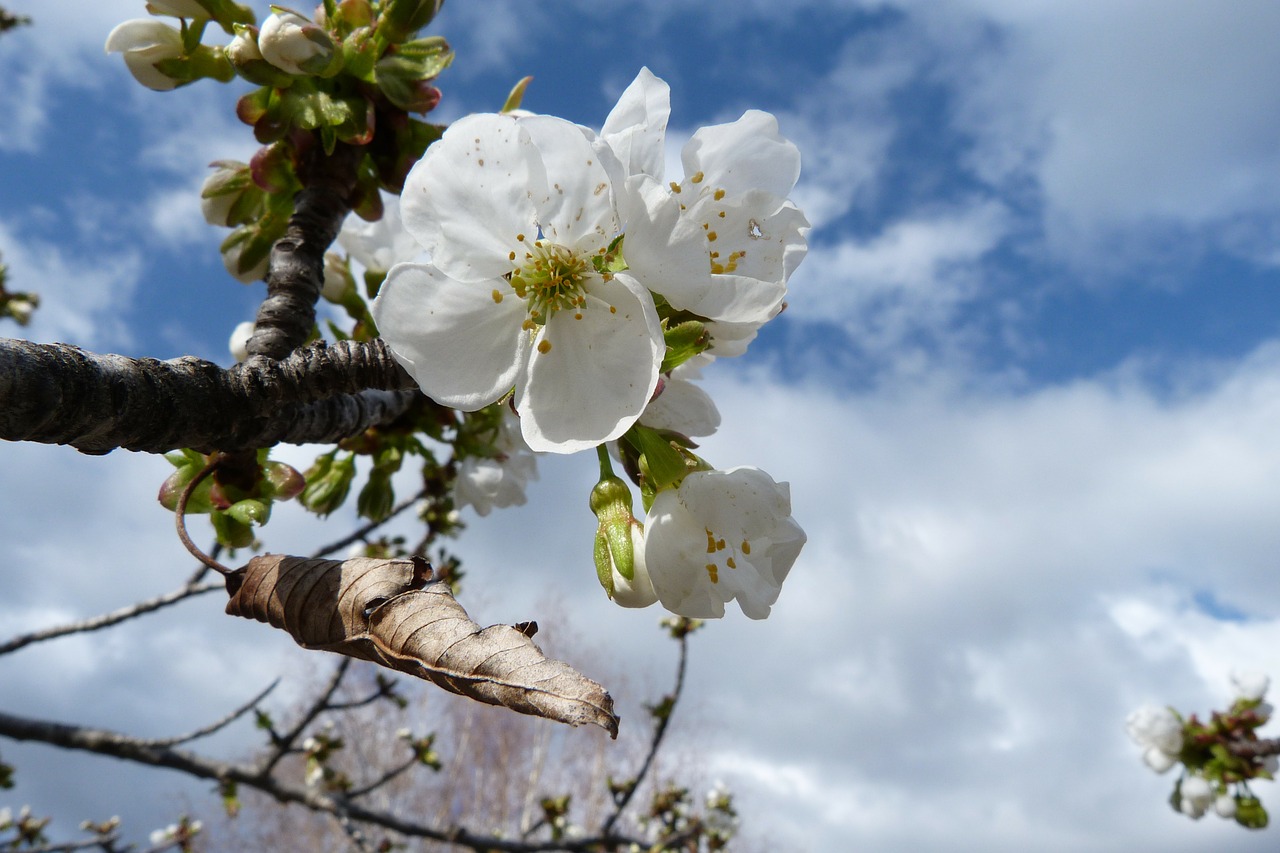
{"points": [[144, 42], [500, 481], [720, 536], [1155, 726], [722, 242], [513, 211]]}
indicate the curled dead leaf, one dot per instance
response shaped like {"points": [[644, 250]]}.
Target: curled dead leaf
{"points": [[385, 611]]}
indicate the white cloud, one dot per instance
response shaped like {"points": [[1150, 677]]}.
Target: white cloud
{"points": [[82, 302], [1125, 115], [909, 279]]}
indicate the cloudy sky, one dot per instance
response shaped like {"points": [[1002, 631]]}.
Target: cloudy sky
{"points": [[1025, 394]]}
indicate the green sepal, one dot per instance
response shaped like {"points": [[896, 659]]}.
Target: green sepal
{"points": [[228, 13], [684, 341], [192, 31], [516, 98], [360, 54], [250, 511], [664, 464], [400, 19], [231, 532]]}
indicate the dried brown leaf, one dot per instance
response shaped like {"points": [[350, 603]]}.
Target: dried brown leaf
{"points": [[384, 611]]}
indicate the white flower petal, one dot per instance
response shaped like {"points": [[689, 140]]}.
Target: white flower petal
{"points": [[471, 195], [463, 348], [665, 251], [637, 592], [743, 155], [578, 207], [595, 379], [144, 42], [682, 407], [636, 128], [379, 245]]}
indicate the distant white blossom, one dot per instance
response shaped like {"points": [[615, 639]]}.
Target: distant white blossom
{"points": [[239, 343], [1155, 726], [145, 42], [1249, 685], [499, 481]]}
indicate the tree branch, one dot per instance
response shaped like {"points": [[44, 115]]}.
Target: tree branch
{"points": [[296, 271], [120, 746], [106, 620], [60, 394]]}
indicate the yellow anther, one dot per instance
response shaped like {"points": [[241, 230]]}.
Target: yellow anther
{"points": [[697, 178], [497, 297], [711, 235], [577, 316], [718, 194], [519, 238], [745, 547], [544, 347], [675, 188], [713, 573], [730, 563], [511, 255]]}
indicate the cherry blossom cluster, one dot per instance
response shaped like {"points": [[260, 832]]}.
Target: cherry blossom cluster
{"points": [[570, 278], [1219, 757], [551, 276]]}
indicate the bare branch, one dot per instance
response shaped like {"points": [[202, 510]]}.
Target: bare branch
{"points": [[283, 744], [103, 742], [659, 731], [60, 394], [214, 726], [387, 776], [108, 619]]}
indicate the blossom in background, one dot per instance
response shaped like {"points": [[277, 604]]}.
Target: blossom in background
{"points": [[720, 536], [1197, 795], [239, 343], [145, 42], [1250, 686], [498, 481], [722, 242], [378, 246], [514, 211], [1159, 732]]}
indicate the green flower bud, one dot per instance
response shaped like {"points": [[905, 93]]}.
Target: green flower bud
{"points": [[619, 545], [328, 482]]}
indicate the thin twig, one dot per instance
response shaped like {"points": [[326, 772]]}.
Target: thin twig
{"points": [[361, 532], [658, 733], [386, 777], [284, 743], [214, 726], [108, 619]]}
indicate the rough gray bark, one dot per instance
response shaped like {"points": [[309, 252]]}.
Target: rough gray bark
{"points": [[296, 271], [60, 394]]}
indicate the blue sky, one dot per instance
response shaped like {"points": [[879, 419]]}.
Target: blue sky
{"points": [[1025, 393]]}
